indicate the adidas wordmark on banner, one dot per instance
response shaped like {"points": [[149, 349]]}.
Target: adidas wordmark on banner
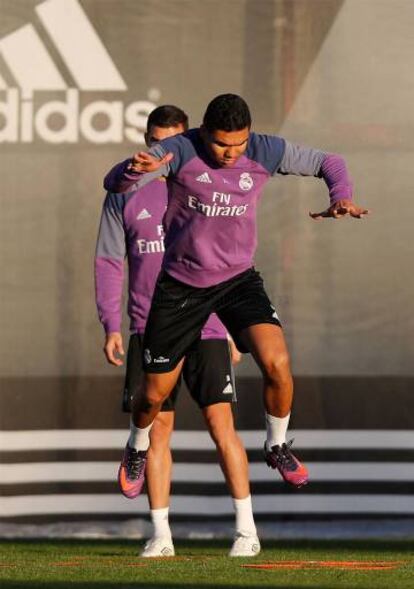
{"points": [[91, 69]]}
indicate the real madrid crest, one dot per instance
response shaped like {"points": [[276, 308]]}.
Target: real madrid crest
{"points": [[246, 181]]}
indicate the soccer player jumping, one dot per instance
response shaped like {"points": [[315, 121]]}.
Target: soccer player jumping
{"points": [[131, 226], [215, 175]]}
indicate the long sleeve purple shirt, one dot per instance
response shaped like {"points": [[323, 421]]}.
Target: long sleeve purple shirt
{"points": [[131, 226], [210, 222]]}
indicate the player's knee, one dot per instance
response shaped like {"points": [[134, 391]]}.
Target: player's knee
{"points": [[276, 369], [156, 397], [222, 432]]}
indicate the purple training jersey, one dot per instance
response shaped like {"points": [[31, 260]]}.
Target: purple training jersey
{"points": [[210, 222], [131, 225]]}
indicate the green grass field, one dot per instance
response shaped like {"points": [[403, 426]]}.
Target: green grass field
{"points": [[105, 564]]}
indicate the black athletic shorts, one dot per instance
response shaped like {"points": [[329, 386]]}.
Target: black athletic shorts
{"points": [[207, 372], [179, 311]]}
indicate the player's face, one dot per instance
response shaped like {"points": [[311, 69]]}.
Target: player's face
{"points": [[156, 134], [225, 147]]}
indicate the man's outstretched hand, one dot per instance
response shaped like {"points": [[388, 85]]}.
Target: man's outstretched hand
{"points": [[146, 162], [340, 209]]}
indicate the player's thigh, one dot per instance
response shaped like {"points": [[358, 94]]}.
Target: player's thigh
{"points": [[245, 305], [170, 402], [208, 373], [135, 377], [160, 385], [174, 324], [268, 347]]}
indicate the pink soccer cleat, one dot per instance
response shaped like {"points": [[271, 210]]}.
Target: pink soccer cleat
{"points": [[131, 473], [292, 471]]}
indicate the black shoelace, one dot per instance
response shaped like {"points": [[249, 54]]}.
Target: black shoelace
{"points": [[284, 457], [135, 464]]}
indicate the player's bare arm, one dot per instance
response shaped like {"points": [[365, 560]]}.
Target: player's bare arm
{"points": [[114, 348], [340, 209]]}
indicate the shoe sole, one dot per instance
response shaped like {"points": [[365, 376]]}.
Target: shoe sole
{"points": [[250, 555], [157, 555]]}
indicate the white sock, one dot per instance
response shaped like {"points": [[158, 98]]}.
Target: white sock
{"points": [[159, 518], [244, 516], [139, 437], [276, 430]]}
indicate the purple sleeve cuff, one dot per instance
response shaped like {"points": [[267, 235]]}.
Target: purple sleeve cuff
{"points": [[112, 324], [120, 179], [334, 172], [109, 275]]}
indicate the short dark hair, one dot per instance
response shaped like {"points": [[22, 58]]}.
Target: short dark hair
{"points": [[227, 112], [167, 115]]}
